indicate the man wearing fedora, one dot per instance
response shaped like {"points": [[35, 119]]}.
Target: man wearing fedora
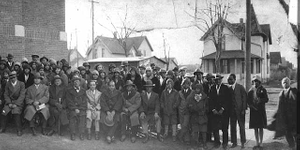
{"points": [[111, 103], [149, 111], [35, 57], [57, 107], [219, 106], [150, 77], [76, 100], [37, 97], [14, 96], [129, 114], [10, 62], [43, 60]]}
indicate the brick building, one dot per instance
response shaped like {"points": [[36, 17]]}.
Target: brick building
{"points": [[33, 26]]}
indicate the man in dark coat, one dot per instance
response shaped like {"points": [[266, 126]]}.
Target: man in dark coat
{"points": [[14, 101], [219, 107], [76, 101], [149, 111], [111, 107], [238, 110], [57, 103], [10, 62], [286, 116], [26, 76]]}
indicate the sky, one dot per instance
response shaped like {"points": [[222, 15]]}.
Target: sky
{"points": [[171, 20]]}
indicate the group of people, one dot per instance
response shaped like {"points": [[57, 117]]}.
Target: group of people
{"points": [[126, 98]]}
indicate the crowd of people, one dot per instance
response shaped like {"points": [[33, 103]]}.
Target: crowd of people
{"points": [[192, 108]]}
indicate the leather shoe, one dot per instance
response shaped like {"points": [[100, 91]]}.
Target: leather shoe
{"points": [[133, 139], [51, 133], [108, 139], [233, 145], [81, 137], [44, 131], [159, 138], [33, 131], [97, 137], [146, 139], [73, 137], [19, 133], [2, 130], [123, 137]]}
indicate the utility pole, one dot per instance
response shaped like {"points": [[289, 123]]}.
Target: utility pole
{"points": [[93, 24], [248, 46]]}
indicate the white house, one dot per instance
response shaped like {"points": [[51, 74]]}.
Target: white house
{"points": [[233, 49]]}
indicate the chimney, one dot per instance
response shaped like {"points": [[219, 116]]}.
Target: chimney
{"points": [[241, 20]]}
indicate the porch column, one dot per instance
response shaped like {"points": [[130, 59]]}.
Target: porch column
{"points": [[254, 66], [235, 66]]}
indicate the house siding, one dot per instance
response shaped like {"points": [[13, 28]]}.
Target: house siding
{"points": [[144, 47]]}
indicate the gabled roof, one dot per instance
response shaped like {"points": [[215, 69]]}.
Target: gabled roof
{"points": [[114, 46], [266, 29], [230, 55], [275, 57], [238, 29]]}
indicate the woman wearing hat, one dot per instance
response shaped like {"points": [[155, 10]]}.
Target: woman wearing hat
{"points": [[135, 77], [17, 68], [58, 71], [257, 98], [33, 66], [26, 76], [93, 109], [57, 107], [117, 78], [111, 103], [129, 114]]}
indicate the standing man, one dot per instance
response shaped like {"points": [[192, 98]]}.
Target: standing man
{"points": [[238, 110], [37, 97], [142, 70], [10, 62], [76, 100], [219, 106], [149, 111], [35, 58], [14, 102], [149, 76]]}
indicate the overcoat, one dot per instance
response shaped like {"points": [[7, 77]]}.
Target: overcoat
{"points": [[151, 105], [14, 95], [183, 101], [109, 101], [132, 102], [76, 100], [217, 101], [32, 95], [29, 81], [258, 115], [56, 93], [170, 102], [239, 99], [93, 105]]}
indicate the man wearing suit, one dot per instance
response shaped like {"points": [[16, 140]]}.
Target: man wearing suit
{"points": [[238, 109], [150, 110], [14, 96], [37, 97], [10, 63], [219, 107]]}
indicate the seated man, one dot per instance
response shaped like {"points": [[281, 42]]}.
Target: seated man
{"points": [[111, 106], [149, 111], [76, 101], [57, 103], [132, 101], [37, 97], [14, 97]]}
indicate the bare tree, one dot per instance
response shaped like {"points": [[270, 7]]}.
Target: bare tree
{"points": [[166, 53], [121, 34], [211, 20]]}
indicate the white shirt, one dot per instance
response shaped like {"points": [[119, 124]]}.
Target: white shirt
{"points": [[14, 84], [218, 88], [26, 77], [170, 91], [148, 95], [77, 89], [233, 85], [37, 86]]}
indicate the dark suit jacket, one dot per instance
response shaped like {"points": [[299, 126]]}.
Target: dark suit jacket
{"points": [[10, 67], [30, 80], [239, 99], [76, 100], [150, 106], [14, 95]]}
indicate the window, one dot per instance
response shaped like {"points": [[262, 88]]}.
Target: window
{"points": [[252, 67], [223, 43], [243, 66], [258, 66], [225, 66], [214, 66]]}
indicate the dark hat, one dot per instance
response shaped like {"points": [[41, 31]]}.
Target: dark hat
{"points": [[3, 62], [124, 63], [76, 70], [109, 120], [86, 64], [170, 72], [13, 73], [38, 76], [149, 84], [198, 71], [9, 56], [142, 67], [39, 67], [128, 83], [112, 65], [44, 57], [81, 68], [175, 69], [156, 68], [57, 77], [76, 78], [97, 66], [63, 61], [134, 69], [26, 66], [66, 64], [209, 76], [35, 55], [218, 77]]}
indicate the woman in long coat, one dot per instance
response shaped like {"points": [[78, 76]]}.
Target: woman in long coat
{"points": [[135, 77], [257, 98], [93, 109]]}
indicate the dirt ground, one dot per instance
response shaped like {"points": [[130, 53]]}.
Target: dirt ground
{"points": [[10, 141]]}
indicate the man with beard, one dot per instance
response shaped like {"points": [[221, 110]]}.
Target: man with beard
{"points": [[14, 101]]}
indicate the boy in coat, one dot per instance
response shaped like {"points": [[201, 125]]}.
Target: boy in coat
{"points": [[76, 100], [37, 97], [149, 111], [14, 96], [132, 102], [169, 103], [57, 108]]}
